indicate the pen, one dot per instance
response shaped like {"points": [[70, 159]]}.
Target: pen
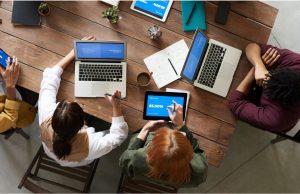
{"points": [[174, 106], [107, 94], [172, 66]]}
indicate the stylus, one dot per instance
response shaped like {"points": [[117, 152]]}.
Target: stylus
{"points": [[107, 94], [174, 107], [172, 66]]}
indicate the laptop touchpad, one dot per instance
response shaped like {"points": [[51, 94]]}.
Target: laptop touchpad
{"points": [[98, 89]]}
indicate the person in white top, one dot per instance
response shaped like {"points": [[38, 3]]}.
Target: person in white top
{"points": [[64, 136]]}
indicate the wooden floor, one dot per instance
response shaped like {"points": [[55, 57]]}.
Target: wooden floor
{"points": [[209, 117]]}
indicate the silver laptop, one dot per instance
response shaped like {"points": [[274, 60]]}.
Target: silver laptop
{"points": [[210, 64], [100, 68]]}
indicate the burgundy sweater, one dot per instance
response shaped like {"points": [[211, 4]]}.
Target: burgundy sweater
{"points": [[270, 115]]}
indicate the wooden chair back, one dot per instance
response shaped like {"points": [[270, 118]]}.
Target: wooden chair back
{"points": [[7, 134], [126, 185], [41, 161], [293, 134]]}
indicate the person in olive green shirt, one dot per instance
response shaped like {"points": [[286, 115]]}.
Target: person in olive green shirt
{"points": [[164, 155], [14, 113]]}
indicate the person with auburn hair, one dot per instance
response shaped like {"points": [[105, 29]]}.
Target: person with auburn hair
{"points": [[269, 95], [165, 153], [64, 135]]}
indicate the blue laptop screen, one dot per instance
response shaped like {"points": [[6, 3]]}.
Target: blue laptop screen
{"points": [[157, 105], [194, 56], [100, 50], [154, 8]]}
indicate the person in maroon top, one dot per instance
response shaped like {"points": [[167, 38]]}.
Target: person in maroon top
{"points": [[276, 72]]}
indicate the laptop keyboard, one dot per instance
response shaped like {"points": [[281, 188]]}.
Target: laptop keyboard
{"points": [[211, 65], [100, 72]]}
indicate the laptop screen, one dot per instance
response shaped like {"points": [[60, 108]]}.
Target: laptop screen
{"points": [[100, 50], [196, 52]]}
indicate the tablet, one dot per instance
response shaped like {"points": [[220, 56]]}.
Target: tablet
{"points": [[156, 103], [3, 58], [153, 8]]}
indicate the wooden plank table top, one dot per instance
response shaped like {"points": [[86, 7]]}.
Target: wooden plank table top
{"points": [[209, 117]]}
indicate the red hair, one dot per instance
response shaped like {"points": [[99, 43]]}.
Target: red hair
{"points": [[169, 156]]}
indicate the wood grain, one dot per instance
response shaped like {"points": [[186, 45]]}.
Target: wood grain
{"points": [[73, 25], [253, 10], [208, 128], [209, 117]]}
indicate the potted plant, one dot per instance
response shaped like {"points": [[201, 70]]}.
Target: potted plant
{"points": [[44, 9], [112, 14]]}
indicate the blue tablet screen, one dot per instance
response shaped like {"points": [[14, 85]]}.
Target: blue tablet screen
{"points": [[154, 8], [194, 56], [3, 58], [157, 105], [99, 50]]}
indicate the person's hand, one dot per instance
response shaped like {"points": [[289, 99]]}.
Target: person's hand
{"points": [[261, 72], [148, 127], [151, 124], [71, 54], [11, 73], [88, 38], [260, 75], [114, 99], [177, 117], [270, 57]]}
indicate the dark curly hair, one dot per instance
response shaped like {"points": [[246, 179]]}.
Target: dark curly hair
{"points": [[284, 86]]}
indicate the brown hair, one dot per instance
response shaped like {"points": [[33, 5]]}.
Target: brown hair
{"points": [[169, 156], [67, 120]]}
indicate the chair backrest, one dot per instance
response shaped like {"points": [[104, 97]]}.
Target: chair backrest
{"points": [[293, 134], [126, 185], [34, 188], [7, 134], [41, 161], [294, 130]]}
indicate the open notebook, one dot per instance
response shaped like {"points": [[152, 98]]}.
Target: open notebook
{"points": [[166, 65]]}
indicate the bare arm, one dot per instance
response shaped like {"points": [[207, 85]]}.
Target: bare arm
{"points": [[253, 54], [70, 56], [66, 60], [245, 85], [261, 63]]}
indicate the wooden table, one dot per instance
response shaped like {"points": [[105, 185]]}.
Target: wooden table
{"points": [[209, 117]]}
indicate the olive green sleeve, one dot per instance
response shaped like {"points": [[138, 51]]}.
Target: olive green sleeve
{"points": [[192, 140], [127, 159]]}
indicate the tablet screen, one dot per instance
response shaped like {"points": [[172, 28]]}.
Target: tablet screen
{"points": [[156, 104], [153, 8], [3, 59]]}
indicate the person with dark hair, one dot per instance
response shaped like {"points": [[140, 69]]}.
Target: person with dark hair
{"points": [[165, 153], [14, 112], [64, 135], [269, 95]]}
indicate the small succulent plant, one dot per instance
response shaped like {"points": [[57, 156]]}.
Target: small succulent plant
{"points": [[112, 14]]}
